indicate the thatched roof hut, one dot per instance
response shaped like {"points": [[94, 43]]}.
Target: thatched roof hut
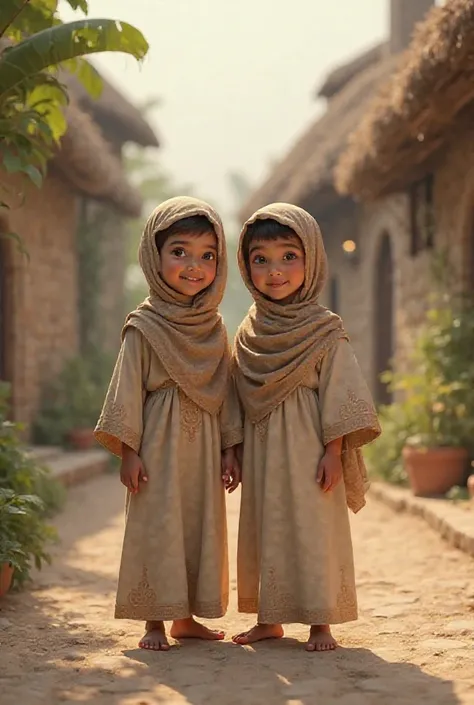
{"points": [[307, 170], [112, 112], [90, 164], [428, 97], [337, 79]]}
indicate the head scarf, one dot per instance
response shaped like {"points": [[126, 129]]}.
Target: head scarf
{"points": [[277, 343], [187, 333]]}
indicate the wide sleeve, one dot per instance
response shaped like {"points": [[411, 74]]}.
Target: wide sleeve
{"points": [[231, 418], [347, 409], [347, 412], [121, 419]]}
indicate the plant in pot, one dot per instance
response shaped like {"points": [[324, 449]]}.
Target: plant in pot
{"points": [[70, 407], [437, 400], [28, 494], [23, 537]]}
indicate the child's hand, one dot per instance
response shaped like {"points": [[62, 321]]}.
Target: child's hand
{"points": [[231, 473], [131, 470], [329, 472]]}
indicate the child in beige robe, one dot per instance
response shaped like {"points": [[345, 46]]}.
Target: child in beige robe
{"points": [[307, 413], [169, 413]]}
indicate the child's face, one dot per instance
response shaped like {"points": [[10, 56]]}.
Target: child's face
{"points": [[189, 262], [277, 267]]}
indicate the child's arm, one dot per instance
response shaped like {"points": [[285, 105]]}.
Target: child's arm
{"points": [[232, 434], [131, 469], [120, 426], [329, 472], [348, 420]]}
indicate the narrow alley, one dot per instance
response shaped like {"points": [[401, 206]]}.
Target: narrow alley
{"points": [[412, 645]]}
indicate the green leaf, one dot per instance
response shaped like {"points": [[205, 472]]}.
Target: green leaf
{"points": [[34, 174], [12, 163], [79, 5], [68, 41], [9, 10]]}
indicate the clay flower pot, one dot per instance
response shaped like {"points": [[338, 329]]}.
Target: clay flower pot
{"points": [[81, 438], [433, 471], [6, 576]]}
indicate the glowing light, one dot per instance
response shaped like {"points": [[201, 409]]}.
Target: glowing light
{"points": [[349, 246]]}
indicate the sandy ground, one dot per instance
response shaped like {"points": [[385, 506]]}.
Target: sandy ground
{"points": [[412, 645]]}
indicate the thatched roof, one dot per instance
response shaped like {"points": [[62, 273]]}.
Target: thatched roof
{"points": [[342, 75], [88, 162], [112, 110], [308, 167], [413, 116]]}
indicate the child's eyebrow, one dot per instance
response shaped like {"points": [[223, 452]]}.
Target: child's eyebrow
{"points": [[282, 243], [184, 243]]}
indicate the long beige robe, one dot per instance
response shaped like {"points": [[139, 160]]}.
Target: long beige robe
{"points": [[174, 558], [295, 561]]}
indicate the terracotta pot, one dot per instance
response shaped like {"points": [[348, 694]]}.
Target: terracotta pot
{"points": [[433, 471], [6, 576], [470, 486], [81, 438]]}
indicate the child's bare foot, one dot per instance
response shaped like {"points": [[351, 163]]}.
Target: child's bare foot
{"points": [[258, 633], [155, 637], [190, 629], [321, 639]]}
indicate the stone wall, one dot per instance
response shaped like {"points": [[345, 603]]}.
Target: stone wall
{"points": [[40, 310]]}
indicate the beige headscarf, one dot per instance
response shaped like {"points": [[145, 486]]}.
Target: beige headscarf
{"points": [[276, 344], [187, 333]]}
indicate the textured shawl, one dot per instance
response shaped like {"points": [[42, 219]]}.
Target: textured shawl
{"points": [[187, 333], [277, 343]]}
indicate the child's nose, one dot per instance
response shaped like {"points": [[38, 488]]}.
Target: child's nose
{"points": [[274, 272]]}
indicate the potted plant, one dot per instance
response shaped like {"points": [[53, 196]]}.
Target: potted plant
{"points": [[70, 407], [28, 494], [23, 535], [437, 401]]}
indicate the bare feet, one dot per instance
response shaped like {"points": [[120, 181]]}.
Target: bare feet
{"points": [[155, 637], [190, 629], [321, 639], [258, 633]]}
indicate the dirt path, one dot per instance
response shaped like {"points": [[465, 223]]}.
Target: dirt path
{"points": [[413, 644]]}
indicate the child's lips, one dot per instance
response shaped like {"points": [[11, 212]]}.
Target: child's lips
{"points": [[276, 285], [193, 280]]}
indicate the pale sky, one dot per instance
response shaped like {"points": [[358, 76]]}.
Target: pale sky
{"points": [[236, 79]]}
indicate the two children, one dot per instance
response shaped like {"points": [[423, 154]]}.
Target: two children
{"points": [[172, 415]]}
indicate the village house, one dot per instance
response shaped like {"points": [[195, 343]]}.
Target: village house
{"points": [[85, 199], [378, 249]]}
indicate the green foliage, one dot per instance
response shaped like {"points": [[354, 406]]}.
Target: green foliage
{"points": [[438, 401], [27, 496], [384, 456], [435, 403], [73, 400], [32, 98]]}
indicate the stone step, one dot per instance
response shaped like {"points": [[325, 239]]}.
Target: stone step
{"points": [[44, 454], [78, 466]]}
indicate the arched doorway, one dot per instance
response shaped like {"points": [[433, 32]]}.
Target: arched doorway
{"points": [[384, 318]]}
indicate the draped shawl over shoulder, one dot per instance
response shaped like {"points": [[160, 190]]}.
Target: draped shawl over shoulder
{"points": [[187, 333], [277, 343]]}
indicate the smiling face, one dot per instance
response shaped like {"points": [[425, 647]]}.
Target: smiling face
{"points": [[189, 262], [277, 266]]}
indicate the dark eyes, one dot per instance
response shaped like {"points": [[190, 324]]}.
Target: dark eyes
{"points": [[287, 257], [180, 252]]}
